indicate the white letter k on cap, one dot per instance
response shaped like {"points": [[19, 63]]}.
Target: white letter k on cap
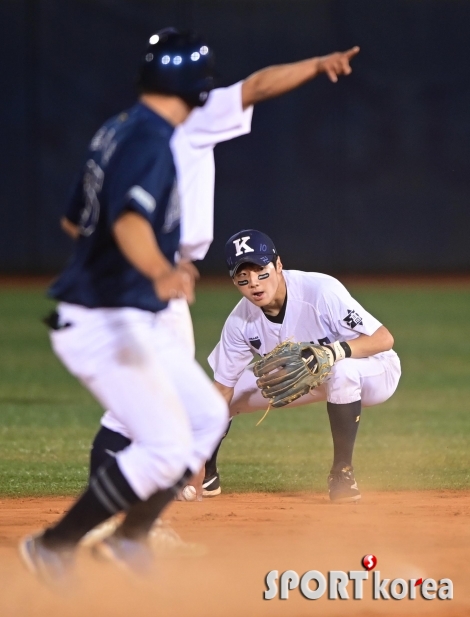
{"points": [[242, 246]]}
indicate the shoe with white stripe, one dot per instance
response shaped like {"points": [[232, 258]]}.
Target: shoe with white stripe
{"points": [[211, 486], [342, 485]]}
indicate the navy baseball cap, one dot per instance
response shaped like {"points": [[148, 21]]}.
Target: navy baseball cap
{"points": [[249, 246]]}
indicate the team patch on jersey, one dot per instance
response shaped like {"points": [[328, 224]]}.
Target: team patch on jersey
{"points": [[353, 319], [143, 198], [255, 342]]}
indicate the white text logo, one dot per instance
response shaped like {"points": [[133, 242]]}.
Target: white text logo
{"points": [[242, 246], [313, 585]]}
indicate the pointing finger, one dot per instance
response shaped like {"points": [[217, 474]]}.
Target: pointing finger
{"points": [[352, 52]]}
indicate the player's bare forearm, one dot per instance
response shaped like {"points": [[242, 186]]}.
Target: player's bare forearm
{"points": [[364, 346], [70, 228], [137, 242], [225, 391], [277, 80]]}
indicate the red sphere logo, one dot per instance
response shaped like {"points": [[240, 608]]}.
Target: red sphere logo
{"points": [[369, 562]]}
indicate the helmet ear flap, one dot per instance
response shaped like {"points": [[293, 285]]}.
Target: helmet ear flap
{"points": [[180, 64]]}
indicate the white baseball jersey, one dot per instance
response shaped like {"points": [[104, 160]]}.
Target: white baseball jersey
{"points": [[222, 118], [319, 309]]}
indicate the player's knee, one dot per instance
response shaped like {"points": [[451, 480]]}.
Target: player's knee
{"points": [[345, 384], [165, 468], [346, 372]]}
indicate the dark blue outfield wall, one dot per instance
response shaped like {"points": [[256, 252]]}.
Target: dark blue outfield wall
{"points": [[369, 175]]}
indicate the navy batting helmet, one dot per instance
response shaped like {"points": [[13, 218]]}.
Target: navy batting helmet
{"points": [[179, 63]]}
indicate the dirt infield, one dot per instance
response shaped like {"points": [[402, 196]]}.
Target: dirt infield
{"points": [[413, 535]]}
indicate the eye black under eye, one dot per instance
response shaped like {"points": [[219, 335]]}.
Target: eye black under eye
{"points": [[242, 283]]}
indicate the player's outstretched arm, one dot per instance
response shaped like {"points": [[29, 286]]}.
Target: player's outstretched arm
{"points": [[276, 80], [136, 240]]}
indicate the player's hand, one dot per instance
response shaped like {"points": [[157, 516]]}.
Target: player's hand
{"points": [[188, 266], [197, 481], [176, 283], [337, 63]]}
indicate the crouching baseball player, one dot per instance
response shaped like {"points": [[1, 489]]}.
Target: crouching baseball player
{"points": [[108, 328], [345, 358]]}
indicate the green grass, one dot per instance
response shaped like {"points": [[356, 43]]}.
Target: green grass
{"points": [[418, 439]]}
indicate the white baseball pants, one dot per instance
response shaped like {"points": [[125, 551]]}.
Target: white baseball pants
{"points": [[177, 318], [372, 380], [159, 397]]}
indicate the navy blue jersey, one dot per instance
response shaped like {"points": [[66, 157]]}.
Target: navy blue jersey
{"points": [[129, 167]]}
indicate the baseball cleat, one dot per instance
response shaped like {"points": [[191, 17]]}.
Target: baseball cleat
{"points": [[165, 541], [134, 556], [100, 532], [52, 566], [342, 485], [211, 486]]}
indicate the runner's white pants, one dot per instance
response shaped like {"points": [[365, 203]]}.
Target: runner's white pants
{"points": [[136, 366], [372, 380]]}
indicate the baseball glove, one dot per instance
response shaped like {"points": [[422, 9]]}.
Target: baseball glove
{"points": [[291, 370]]}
